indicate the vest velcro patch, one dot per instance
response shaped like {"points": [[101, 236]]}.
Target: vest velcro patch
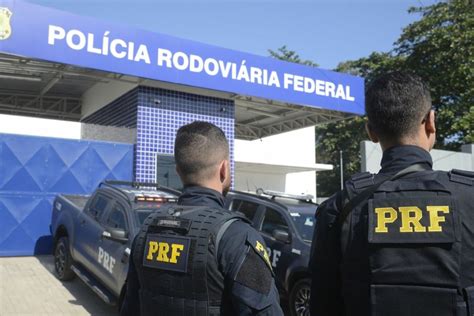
{"points": [[172, 222], [166, 253], [411, 220], [260, 249]]}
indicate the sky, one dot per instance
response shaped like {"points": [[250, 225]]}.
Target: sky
{"points": [[325, 31]]}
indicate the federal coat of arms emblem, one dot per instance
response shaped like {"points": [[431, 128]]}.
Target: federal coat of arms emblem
{"points": [[5, 27]]}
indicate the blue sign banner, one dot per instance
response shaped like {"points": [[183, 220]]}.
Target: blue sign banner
{"points": [[43, 33]]}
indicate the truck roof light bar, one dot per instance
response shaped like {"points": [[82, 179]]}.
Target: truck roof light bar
{"points": [[133, 184], [160, 199], [273, 194], [137, 185]]}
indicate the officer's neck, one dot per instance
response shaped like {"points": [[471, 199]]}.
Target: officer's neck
{"points": [[424, 137], [424, 143], [388, 145], [210, 184]]}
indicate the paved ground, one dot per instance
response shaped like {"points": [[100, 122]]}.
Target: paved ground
{"points": [[29, 287]]}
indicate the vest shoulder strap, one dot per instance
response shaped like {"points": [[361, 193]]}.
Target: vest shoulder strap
{"points": [[462, 176], [362, 180], [223, 229], [364, 195]]}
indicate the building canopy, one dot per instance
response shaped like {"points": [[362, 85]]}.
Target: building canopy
{"points": [[49, 58]]}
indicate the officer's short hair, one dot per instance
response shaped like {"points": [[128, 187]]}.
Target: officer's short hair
{"points": [[199, 147], [396, 103]]}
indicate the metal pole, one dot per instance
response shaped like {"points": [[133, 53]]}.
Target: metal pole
{"points": [[342, 171]]}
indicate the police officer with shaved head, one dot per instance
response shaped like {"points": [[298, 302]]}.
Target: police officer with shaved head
{"points": [[197, 258], [400, 242]]}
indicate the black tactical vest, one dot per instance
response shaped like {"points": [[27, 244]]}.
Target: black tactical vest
{"points": [[402, 248], [176, 259]]}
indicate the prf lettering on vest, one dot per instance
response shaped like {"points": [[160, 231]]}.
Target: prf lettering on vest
{"points": [[260, 248], [164, 251], [410, 218]]}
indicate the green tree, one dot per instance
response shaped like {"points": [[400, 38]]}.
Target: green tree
{"points": [[283, 53], [372, 66], [332, 138], [440, 48]]}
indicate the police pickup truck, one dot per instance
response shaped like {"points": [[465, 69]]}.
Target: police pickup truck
{"points": [[93, 234], [286, 223]]}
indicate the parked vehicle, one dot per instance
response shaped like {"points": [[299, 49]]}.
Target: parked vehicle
{"points": [[93, 234], [286, 223]]}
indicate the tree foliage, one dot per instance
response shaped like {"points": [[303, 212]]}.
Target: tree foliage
{"points": [[283, 53], [332, 138], [440, 48]]}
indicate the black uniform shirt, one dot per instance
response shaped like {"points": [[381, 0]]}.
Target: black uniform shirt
{"points": [[245, 292], [326, 298]]}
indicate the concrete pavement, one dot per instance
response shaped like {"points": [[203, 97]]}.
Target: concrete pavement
{"points": [[28, 287]]}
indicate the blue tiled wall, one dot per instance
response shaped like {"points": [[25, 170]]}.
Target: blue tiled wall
{"points": [[160, 114], [122, 112], [157, 114]]}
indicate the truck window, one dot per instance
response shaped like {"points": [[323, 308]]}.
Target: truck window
{"points": [[249, 209], [166, 172], [273, 220], [98, 206], [116, 218]]}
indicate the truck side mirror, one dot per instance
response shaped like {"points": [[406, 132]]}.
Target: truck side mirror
{"points": [[281, 235], [116, 234]]}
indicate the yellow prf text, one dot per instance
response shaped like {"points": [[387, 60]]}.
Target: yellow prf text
{"points": [[409, 218], [164, 252], [262, 250]]}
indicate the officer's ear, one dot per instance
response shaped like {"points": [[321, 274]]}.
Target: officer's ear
{"points": [[430, 129], [178, 171], [224, 170], [430, 126], [373, 137]]}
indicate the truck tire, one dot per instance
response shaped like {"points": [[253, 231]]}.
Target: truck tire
{"points": [[299, 298], [63, 260]]}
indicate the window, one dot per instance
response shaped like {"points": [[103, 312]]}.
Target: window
{"points": [[303, 217], [249, 209], [116, 218], [98, 206], [166, 172], [273, 220], [142, 214]]}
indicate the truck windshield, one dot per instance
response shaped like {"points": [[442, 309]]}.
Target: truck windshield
{"points": [[142, 214], [303, 218]]}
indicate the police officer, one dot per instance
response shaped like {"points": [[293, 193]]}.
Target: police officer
{"points": [[196, 258], [400, 242]]}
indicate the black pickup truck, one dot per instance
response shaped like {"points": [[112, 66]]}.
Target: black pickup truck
{"points": [[93, 234]]}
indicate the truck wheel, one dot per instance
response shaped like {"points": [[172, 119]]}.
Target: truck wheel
{"points": [[63, 260], [299, 298]]}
